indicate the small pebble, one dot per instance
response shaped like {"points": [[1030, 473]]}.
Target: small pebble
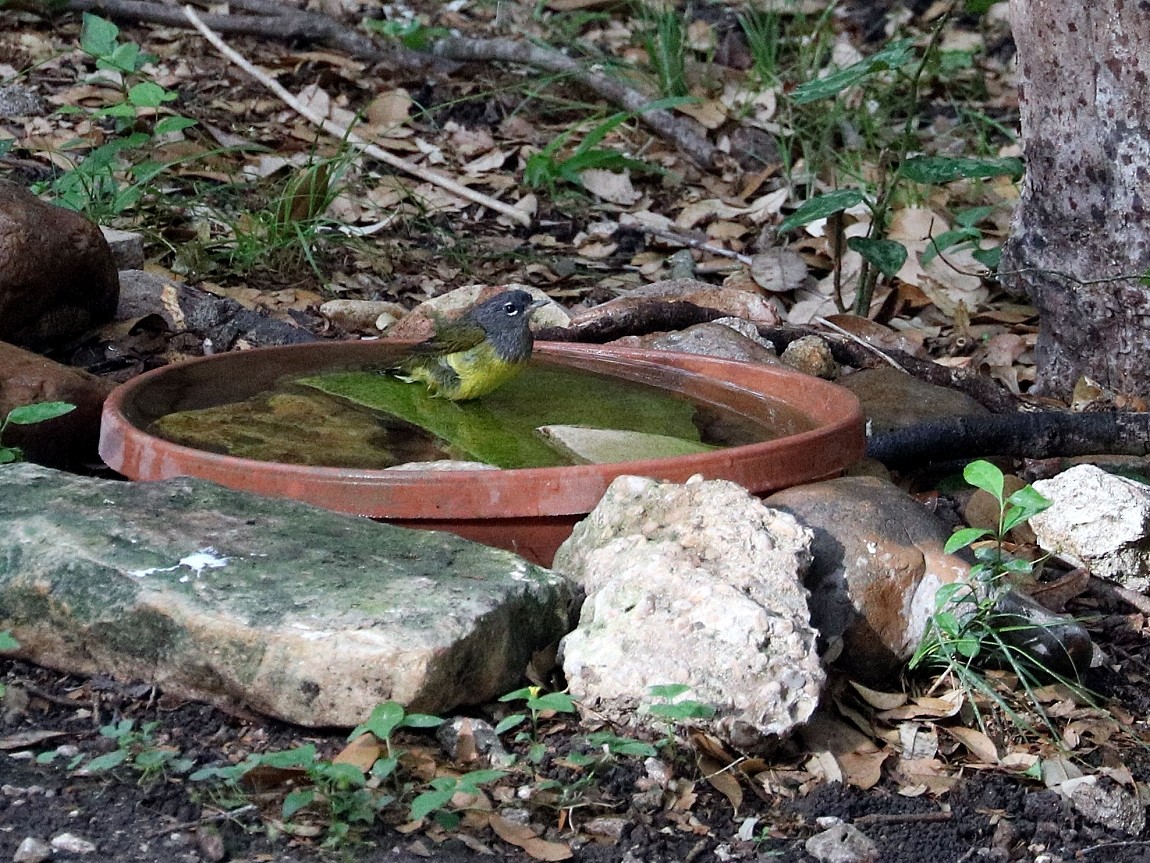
{"points": [[72, 844], [32, 850]]}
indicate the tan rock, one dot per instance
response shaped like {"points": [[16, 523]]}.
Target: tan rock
{"points": [[730, 301], [710, 339], [878, 562]]}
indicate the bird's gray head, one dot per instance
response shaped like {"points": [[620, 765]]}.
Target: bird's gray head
{"points": [[506, 318]]}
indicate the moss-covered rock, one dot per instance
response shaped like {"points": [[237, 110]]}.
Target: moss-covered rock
{"points": [[277, 606]]}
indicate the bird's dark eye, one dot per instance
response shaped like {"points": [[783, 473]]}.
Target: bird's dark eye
{"points": [[510, 309]]}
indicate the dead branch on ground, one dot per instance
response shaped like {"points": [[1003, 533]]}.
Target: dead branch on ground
{"points": [[275, 20]]}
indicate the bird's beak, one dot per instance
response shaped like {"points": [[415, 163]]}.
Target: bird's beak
{"points": [[536, 304]]}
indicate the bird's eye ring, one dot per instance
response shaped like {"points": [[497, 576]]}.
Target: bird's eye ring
{"points": [[510, 309]]}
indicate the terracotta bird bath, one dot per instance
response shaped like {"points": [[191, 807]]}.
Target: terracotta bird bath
{"points": [[528, 510]]}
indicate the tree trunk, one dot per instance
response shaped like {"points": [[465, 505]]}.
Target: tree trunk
{"points": [[1081, 233]]}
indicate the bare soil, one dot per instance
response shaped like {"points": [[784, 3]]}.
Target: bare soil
{"points": [[988, 814]]}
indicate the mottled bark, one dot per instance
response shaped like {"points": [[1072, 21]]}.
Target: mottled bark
{"points": [[1081, 234]]}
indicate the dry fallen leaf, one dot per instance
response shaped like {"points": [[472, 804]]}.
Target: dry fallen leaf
{"points": [[879, 700], [976, 743], [722, 780], [524, 837], [863, 769], [363, 752]]}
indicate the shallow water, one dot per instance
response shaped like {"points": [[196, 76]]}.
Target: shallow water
{"points": [[370, 420]]}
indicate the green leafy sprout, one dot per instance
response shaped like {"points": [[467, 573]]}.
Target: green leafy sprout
{"points": [[968, 632], [104, 183], [28, 415]]}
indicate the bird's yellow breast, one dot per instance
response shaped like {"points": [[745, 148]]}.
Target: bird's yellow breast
{"points": [[466, 374]]}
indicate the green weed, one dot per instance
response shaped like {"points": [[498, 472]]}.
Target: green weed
{"points": [[967, 632], [537, 705], [136, 749], [664, 39], [28, 415], [872, 77], [107, 181]]}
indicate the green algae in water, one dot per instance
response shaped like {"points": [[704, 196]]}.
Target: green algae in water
{"points": [[364, 419], [500, 428]]}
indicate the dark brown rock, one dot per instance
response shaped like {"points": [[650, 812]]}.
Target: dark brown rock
{"points": [[57, 276], [67, 441], [892, 399]]}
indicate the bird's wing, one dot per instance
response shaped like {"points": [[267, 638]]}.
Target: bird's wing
{"points": [[451, 338]]}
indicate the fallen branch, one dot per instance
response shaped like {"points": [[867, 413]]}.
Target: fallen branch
{"points": [[1044, 434], [648, 316], [273, 20], [345, 134], [681, 132], [276, 20]]}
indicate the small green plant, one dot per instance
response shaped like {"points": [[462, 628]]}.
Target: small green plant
{"points": [[443, 788], [28, 415], [764, 31], [665, 42], [968, 631], [136, 749], [672, 710], [411, 34], [104, 183], [548, 169], [346, 795], [537, 705], [887, 88]]}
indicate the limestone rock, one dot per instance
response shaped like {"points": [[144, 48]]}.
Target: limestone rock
{"points": [[811, 355], [27, 378], [842, 843], [711, 339], [57, 276], [127, 248], [298, 613], [32, 850], [17, 100], [1105, 802], [1100, 520], [697, 584], [69, 843], [878, 562], [892, 399], [419, 323], [359, 316]]}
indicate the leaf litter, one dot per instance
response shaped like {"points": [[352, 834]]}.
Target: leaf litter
{"points": [[383, 236]]}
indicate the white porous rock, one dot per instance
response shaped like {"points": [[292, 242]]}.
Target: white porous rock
{"points": [[1100, 521], [697, 584]]}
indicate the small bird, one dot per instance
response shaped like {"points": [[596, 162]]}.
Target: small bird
{"points": [[476, 353]]}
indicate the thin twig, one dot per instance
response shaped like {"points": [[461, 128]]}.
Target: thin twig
{"points": [[207, 819], [859, 341], [345, 134], [692, 243], [685, 134]]}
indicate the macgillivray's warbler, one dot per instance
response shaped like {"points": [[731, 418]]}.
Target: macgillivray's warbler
{"points": [[476, 353]]}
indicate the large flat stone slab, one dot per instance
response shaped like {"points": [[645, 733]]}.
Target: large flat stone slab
{"points": [[295, 612]]}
